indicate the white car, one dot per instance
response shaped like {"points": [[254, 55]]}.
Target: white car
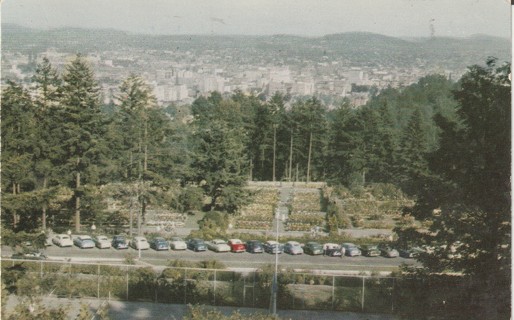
{"points": [[102, 242], [139, 243], [218, 245], [177, 243], [62, 240]]}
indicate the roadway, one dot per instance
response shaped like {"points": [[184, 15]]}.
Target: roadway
{"points": [[231, 260]]}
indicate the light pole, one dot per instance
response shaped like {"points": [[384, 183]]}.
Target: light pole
{"points": [[275, 277]]}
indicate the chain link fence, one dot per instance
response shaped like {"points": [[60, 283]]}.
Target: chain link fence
{"points": [[216, 287]]}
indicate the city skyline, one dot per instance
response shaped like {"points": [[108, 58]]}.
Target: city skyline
{"points": [[398, 18]]}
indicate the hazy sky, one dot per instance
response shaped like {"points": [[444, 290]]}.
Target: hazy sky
{"points": [[259, 17]]}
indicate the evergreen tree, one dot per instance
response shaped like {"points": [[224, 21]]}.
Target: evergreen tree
{"points": [[48, 93], [467, 199], [219, 151], [18, 144], [80, 130], [412, 165]]}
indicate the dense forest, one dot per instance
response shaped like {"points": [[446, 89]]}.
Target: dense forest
{"points": [[446, 144]]}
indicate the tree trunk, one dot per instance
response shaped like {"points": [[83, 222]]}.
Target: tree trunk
{"points": [[274, 149], [14, 216], [291, 157], [77, 199], [309, 159], [43, 211]]}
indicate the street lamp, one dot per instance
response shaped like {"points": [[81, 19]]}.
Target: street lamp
{"points": [[275, 277]]}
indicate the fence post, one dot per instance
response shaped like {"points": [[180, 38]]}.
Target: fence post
{"points": [[362, 300], [127, 282], [98, 282], [214, 302], [156, 286], [244, 291], [333, 291], [185, 285]]}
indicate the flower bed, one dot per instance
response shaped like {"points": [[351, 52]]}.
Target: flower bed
{"points": [[304, 221], [259, 214], [306, 202]]}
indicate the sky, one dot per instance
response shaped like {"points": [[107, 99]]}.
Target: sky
{"points": [[399, 18]]}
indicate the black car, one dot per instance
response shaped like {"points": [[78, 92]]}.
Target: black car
{"points": [[159, 244], [254, 246], [196, 245], [119, 242], [410, 252], [313, 248], [370, 250]]}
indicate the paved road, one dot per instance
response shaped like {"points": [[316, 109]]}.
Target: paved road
{"points": [[234, 260]]}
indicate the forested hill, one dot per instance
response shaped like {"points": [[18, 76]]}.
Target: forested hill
{"points": [[355, 48]]}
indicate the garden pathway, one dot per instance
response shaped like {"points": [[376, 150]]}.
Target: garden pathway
{"points": [[286, 193]]}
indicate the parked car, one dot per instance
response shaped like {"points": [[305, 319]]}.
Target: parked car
{"points": [[102, 242], [33, 255], [351, 249], [139, 243], [410, 253], [119, 242], [254, 246], [84, 242], [387, 251], [333, 250], [293, 247], [177, 243], [271, 246], [370, 250], [159, 244], [196, 245], [313, 248], [218, 245], [62, 240], [236, 245]]}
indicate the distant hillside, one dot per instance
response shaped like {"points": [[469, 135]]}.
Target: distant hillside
{"points": [[355, 48]]}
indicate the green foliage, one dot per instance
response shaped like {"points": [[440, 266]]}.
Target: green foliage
{"points": [[466, 198], [190, 198], [33, 308], [212, 264], [198, 312]]}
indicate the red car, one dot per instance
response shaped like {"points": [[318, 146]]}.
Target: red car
{"points": [[236, 245]]}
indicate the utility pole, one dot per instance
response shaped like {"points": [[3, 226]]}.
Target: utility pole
{"points": [[274, 148]]}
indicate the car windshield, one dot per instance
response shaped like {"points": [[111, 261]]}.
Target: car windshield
{"points": [[176, 239], [65, 237], [236, 242], [103, 238]]}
